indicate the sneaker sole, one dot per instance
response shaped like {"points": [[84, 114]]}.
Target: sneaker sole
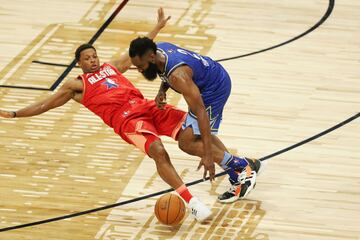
{"points": [[208, 217], [229, 200], [251, 187]]}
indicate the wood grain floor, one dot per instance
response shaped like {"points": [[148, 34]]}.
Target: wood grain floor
{"points": [[66, 160]]}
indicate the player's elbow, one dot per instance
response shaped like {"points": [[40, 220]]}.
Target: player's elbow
{"points": [[123, 69]]}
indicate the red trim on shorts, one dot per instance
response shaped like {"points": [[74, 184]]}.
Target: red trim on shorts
{"points": [[175, 133]]}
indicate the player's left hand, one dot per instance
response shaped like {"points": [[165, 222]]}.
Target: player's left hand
{"points": [[209, 166], [6, 114], [162, 20], [160, 99]]}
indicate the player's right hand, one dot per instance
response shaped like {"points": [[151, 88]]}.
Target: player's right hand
{"points": [[209, 166], [6, 114], [160, 99]]}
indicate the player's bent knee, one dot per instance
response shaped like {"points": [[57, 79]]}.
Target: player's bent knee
{"points": [[157, 151], [184, 146], [187, 140]]}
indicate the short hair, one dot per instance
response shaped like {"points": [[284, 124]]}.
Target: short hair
{"points": [[81, 48], [140, 46]]}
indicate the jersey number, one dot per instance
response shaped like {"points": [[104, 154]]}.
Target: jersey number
{"points": [[194, 55]]}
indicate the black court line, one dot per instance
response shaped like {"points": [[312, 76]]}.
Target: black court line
{"points": [[321, 21], [52, 64], [73, 63], [92, 40], [25, 87], [62, 65], [350, 119]]}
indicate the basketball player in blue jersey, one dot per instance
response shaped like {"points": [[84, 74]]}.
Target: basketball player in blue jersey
{"points": [[206, 86]]}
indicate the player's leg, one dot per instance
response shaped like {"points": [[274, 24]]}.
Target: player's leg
{"points": [[192, 144], [142, 134], [166, 170], [217, 142], [168, 123], [168, 173], [241, 170]]}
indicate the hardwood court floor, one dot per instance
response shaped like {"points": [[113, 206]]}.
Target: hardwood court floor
{"points": [[66, 160]]}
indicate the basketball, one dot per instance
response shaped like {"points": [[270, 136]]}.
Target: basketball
{"points": [[170, 209]]}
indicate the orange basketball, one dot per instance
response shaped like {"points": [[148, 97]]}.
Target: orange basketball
{"points": [[170, 209]]}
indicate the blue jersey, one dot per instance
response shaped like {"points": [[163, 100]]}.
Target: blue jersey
{"points": [[209, 76]]}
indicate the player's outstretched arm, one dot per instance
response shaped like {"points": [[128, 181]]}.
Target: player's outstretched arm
{"points": [[181, 80], [124, 63], [63, 95]]}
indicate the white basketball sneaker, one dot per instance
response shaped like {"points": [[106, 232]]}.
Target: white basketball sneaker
{"points": [[199, 210], [246, 182]]}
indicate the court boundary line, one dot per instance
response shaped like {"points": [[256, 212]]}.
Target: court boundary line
{"points": [[61, 65], [72, 65], [348, 120], [93, 39], [318, 24]]}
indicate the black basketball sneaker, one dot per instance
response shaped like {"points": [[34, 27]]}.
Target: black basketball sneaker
{"points": [[246, 182]]}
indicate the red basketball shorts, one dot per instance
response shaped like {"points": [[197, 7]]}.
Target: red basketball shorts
{"points": [[149, 122]]}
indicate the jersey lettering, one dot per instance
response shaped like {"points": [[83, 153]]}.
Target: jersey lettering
{"points": [[104, 73], [194, 55]]}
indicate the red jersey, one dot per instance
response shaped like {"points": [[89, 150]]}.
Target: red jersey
{"points": [[108, 94]]}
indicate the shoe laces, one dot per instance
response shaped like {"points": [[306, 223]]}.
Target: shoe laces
{"points": [[233, 187], [194, 211]]}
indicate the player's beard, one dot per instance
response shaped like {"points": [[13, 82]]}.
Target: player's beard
{"points": [[151, 72]]}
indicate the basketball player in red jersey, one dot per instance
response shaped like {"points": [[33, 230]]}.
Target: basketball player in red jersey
{"points": [[107, 93]]}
